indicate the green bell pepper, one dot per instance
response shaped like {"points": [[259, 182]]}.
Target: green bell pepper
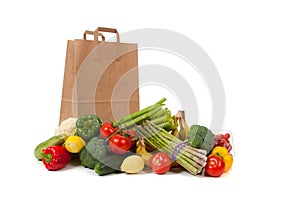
{"points": [[88, 126]]}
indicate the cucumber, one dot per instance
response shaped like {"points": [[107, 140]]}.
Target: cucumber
{"points": [[102, 169], [110, 164], [53, 141]]}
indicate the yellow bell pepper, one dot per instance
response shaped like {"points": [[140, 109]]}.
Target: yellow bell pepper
{"points": [[224, 154]]}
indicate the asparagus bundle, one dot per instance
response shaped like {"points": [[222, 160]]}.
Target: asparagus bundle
{"points": [[156, 113], [192, 159]]}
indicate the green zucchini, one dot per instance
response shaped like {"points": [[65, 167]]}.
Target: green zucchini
{"points": [[53, 141]]}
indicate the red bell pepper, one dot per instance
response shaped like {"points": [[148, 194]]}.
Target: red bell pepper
{"points": [[215, 166], [56, 157]]}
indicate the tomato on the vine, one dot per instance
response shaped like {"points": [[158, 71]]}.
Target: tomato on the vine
{"points": [[160, 163], [120, 143], [131, 134], [215, 166], [107, 129]]}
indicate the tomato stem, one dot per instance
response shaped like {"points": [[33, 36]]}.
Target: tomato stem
{"points": [[118, 131]]}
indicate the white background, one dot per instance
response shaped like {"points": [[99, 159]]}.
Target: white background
{"points": [[255, 46]]}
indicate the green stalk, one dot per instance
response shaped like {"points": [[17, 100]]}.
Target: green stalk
{"points": [[138, 120], [147, 115], [200, 151], [156, 142], [187, 166], [159, 114], [195, 153], [140, 112], [164, 132], [148, 138], [169, 126], [193, 160], [187, 163], [190, 159], [166, 126], [160, 120], [162, 125], [160, 143]]}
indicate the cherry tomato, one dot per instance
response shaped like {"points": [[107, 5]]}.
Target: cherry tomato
{"points": [[215, 166], [119, 144], [160, 163], [107, 129]]}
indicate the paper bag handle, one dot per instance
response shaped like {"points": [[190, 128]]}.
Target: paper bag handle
{"points": [[110, 30], [95, 34]]}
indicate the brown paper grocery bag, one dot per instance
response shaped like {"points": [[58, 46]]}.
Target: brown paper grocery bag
{"points": [[100, 78]]}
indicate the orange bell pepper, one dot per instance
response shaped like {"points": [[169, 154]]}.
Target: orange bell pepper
{"points": [[224, 154]]}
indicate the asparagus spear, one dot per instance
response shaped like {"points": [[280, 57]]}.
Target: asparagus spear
{"points": [[192, 159], [158, 115], [140, 112]]}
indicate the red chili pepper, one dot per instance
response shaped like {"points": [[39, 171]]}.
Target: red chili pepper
{"points": [[56, 157]]}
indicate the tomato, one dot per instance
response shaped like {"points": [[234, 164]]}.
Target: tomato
{"points": [[119, 144], [160, 163], [131, 135], [107, 129], [215, 166]]}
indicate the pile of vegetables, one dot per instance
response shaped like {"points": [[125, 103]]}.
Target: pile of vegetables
{"points": [[151, 138]]}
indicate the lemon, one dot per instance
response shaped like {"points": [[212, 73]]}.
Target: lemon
{"points": [[74, 144]]}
